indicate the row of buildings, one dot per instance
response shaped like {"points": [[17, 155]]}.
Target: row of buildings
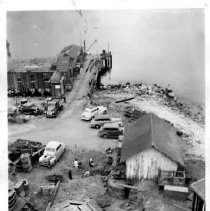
{"points": [[54, 76]]}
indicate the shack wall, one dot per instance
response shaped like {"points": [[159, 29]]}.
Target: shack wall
{"points": [[25, 82], [11, 82], [146, 164], [198, 203]]}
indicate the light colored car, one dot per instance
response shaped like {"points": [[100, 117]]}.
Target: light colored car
{"points": [[90, 112], [52, 153], [100, 120]]}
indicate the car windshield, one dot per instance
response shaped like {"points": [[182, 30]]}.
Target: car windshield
{"points": [[51, 106], [50, 150], [88, 110]]}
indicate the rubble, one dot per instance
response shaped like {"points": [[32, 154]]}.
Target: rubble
{"points": [[165, 96], [22, 153]]}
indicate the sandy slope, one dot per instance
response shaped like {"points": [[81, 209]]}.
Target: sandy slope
{"points": [[194, 130]]}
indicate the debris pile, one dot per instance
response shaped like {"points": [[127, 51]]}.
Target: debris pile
{"points": [[22, 153]]}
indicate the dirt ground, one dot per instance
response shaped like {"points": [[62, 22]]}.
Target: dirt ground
{"points": [[77, 189]]}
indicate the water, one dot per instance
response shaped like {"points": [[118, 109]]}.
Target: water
{"points": [[160, 46]]}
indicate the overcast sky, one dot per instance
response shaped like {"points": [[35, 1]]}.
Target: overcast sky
{"points": [[158, 46]]}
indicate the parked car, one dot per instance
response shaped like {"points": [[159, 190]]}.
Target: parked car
{"points": [[52, 153], [54, 107], [91, 111], [100, 120], [30, 109], [111, 130]]}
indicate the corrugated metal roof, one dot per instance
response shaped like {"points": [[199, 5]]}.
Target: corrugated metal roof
{"points": [[151, 131], [40, 65], [72, 51], [199, 188], [56, 77], [63, 64]]}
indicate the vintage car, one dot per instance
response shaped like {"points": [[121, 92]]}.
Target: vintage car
{"points": [[111, 130], [91, 111], [52, 153], [100, 120], [54, 106], [30, 109]]}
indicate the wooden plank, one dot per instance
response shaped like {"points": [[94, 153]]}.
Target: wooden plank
{"points": [[124, 100], [176, 188], [40, 150], [127, 186], [52, 198]]}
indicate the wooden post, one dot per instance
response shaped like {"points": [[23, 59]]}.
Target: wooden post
{"points": [[52, 198]]}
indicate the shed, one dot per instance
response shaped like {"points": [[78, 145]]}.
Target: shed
{"points": [[199, 195], [57, 84], [150, 144]]}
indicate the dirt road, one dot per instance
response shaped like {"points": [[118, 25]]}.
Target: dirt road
{"points": [[68, 126]]}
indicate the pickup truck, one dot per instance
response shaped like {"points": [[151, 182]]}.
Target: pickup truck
{"points": [[54, 107]]}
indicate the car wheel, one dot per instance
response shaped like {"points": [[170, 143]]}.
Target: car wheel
{"points": [[105, 112], [97, 126], [104, 136]]}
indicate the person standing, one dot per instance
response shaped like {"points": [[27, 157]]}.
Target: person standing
{"points": [[91, 163], [76, 164], [70, 174]]}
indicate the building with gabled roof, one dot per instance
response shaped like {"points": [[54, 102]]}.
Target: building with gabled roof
{"points": [[30, 74], [34, 75], [150, 144], [198, 189], [69, 62], [57, 82]]}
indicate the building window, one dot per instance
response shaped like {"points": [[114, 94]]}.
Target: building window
{"points": [[19, 77], [32, 78], [33, 85], [46, 77], [20, 86]]}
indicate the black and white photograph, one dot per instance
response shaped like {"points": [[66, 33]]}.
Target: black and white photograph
{"points": [[105, 109]]}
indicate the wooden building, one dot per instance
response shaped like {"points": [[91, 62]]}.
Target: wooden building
{"points": [[150, 144], [28, 75], [106, 58], [198, 195], [35, 74], [57, 82], [69, 62]]}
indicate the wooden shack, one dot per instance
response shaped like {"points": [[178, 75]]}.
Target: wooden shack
{"points": [[150, 144], [57, 84], [198, 189]]}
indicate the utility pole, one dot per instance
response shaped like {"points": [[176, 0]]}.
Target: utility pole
{"points": [[84, 46]]}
